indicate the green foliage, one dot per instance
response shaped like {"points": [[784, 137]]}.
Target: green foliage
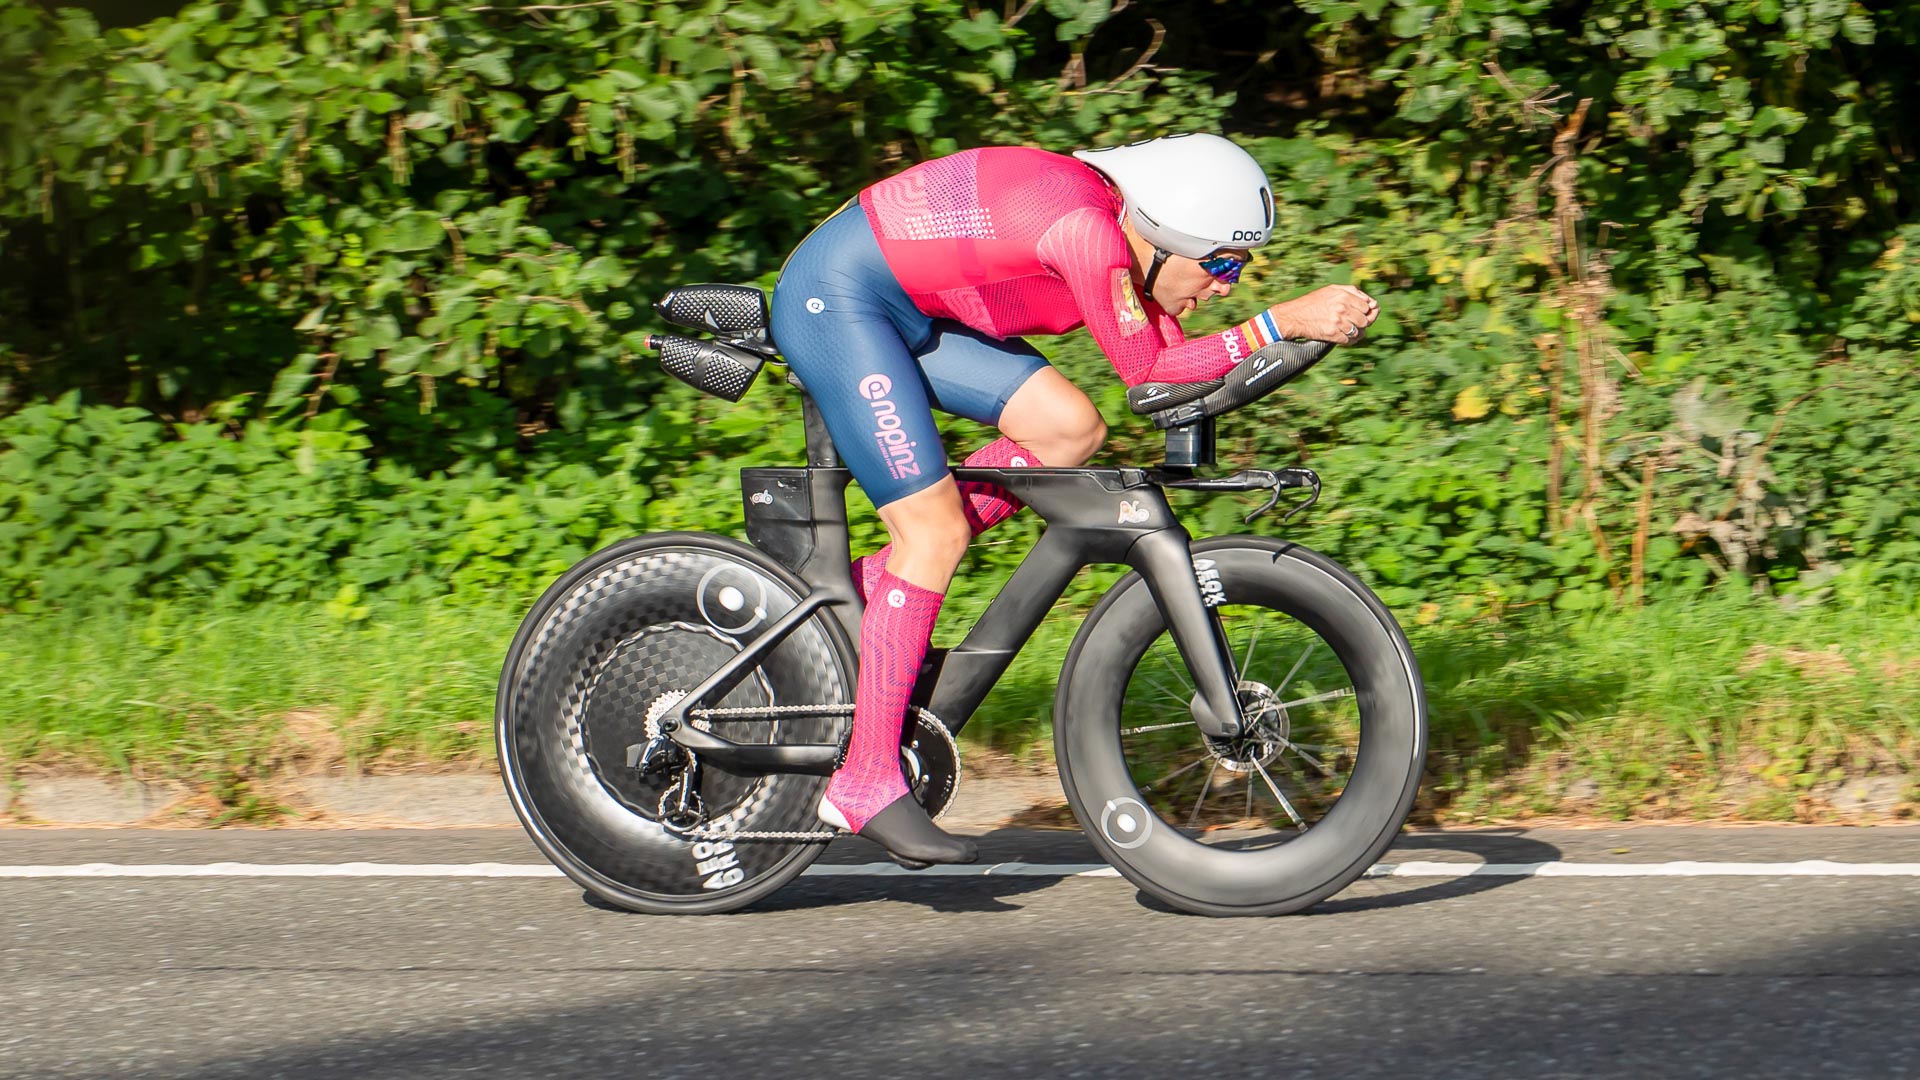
{"points": [[97, 505], [435, 216], [353, 291], [1540, 713]]}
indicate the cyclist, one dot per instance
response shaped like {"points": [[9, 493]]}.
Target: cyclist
{"points": [[914, 295]]}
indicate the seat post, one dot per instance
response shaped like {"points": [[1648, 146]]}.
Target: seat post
{"points": [[821, 452]]}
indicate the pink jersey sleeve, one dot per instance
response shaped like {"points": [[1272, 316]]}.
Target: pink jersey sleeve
{"points": [[1142, 341]]}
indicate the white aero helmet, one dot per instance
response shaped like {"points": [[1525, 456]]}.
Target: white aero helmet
{"points": [[1190, 194]]}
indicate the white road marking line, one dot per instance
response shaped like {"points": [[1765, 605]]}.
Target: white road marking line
{"points": [[1807, 868], [293, 870]]}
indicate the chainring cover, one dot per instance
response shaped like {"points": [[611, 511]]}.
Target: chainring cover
{"points": [[932, 762]]}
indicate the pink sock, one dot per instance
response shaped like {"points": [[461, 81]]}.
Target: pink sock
{"points": [[985, 505], [893, 641]]}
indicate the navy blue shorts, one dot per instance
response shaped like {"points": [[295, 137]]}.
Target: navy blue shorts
{"points": [[877, 366]]}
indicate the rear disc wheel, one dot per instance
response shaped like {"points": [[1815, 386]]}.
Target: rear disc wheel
{"points": [[606, 651]]}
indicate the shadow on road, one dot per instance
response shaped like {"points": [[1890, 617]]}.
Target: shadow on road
{"points": [[991, 893], [1488, 847], [936, 894]]}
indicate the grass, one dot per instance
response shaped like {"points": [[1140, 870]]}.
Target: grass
{"points": [[1718, 708]]}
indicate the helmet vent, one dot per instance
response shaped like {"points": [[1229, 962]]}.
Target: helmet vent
{"points": [[1266, 207]]}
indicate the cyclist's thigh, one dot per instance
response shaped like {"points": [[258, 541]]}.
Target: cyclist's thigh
{"points": [[837, 325], [973, 375]]}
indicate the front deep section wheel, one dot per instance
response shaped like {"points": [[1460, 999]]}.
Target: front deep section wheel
{"points": [[1312, 792], [610, 646]]}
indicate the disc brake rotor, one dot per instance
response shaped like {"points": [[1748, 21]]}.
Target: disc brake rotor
{"points": [[1267, 729]]}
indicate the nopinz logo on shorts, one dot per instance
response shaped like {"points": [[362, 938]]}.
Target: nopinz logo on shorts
{"points": [[896, 449]]}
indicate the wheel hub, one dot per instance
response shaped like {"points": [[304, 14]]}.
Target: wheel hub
{"points": [[1267, 730]]}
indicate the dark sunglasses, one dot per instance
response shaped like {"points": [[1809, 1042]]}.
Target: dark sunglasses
{"points": [[1224, 268]]}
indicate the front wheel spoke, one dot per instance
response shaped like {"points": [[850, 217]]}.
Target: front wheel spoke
{"points": [[1162, 687], [1284, 804], [1318, 765], [1156, 727], [1297, 664], [1179, 668], [1182, 770], [1331, 695], [1193, 821], [1253, 638]]}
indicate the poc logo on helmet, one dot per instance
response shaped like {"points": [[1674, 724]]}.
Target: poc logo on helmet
{"points": [[1251, 236], [875, 387]]}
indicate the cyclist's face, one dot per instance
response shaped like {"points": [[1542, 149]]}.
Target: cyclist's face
{"points": [[1183, 283]]}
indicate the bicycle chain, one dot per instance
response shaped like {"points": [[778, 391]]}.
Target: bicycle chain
{"points": [[772, 710], [713, 834]]}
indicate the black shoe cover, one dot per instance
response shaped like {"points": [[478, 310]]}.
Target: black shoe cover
{"points": [[913, 840]]}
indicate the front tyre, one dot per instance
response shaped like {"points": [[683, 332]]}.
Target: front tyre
{"points": [[612, 644], [1313, 792]]}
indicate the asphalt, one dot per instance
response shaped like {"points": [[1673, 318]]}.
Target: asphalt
{"points": [[851, 975]]}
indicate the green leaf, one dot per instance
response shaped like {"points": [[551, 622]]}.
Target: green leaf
{"points": [[1642, 43], [415, 231], [151, 75], [979, 33], [291, 384], [491, 66]]}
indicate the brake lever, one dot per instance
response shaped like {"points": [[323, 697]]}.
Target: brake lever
{"points": [[1276, 481]]}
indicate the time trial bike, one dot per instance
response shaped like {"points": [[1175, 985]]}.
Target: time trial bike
{"points": [[1239, 724]]}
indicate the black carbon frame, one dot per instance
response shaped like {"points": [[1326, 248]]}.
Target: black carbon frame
{"points": [[1093, 515]]}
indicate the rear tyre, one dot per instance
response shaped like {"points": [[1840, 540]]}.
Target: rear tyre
{"points": [[615, 641], [1319, 784]]}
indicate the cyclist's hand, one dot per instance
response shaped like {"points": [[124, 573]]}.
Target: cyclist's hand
{"points": [[1336, 313]]}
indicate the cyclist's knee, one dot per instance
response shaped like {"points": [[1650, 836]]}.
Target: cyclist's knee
{"points": [[943, 540], [1088, 440], [1054, 419], [1071, 442], [929, 523]]}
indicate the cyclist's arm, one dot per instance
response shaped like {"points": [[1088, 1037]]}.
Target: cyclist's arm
{"points": [[1143, 342]]}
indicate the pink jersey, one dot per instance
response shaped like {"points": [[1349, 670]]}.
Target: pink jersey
{"points": [[1012, 240]]}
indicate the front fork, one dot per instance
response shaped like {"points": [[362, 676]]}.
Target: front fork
{"points": [[1165, 560]]}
